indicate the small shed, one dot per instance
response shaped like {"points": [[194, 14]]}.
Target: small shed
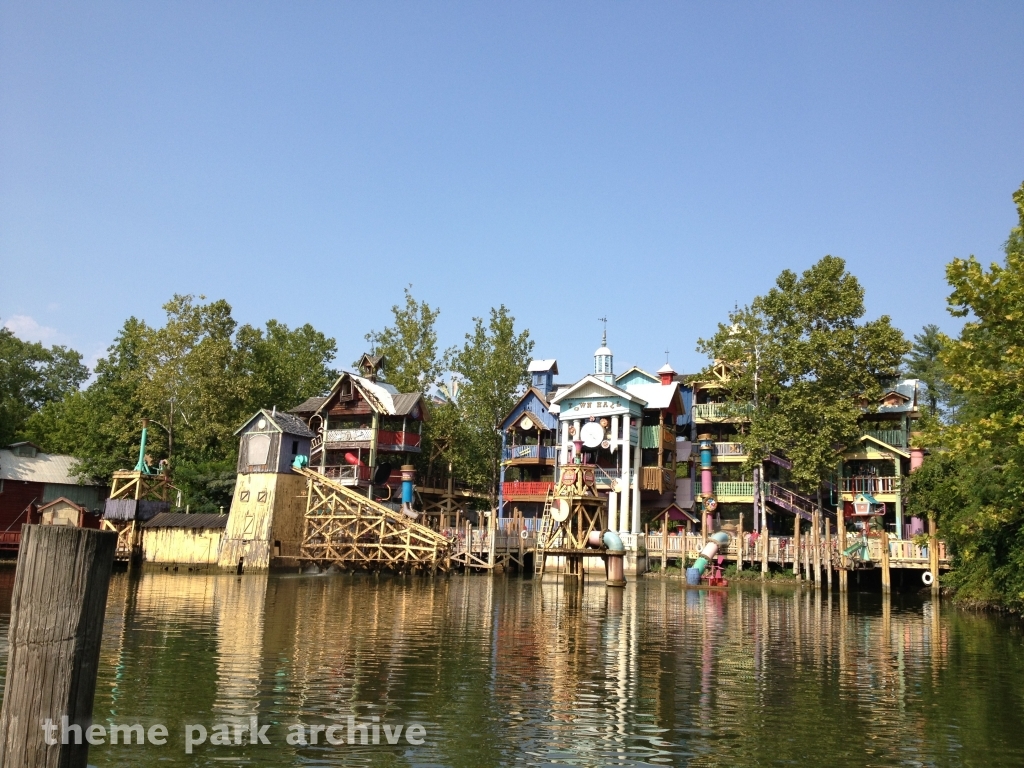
{"points": [[63, 511], [269, 442], [175, 538]]}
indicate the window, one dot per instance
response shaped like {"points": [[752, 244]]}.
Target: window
{"points": [[295, 447], [258, 449]]}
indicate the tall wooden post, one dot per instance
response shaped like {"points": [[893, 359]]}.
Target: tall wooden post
{"points": [[739, 543], [764, 551], [883, 542], [933, 555], [807, 562], [57, 609], [796, 546], [828, 552], [816, 525]]}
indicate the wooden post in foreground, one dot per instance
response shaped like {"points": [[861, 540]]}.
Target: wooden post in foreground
{"points": [[933, 555], [57, 609], [828, 552], [816, 552], [739, 543], [796, 546], [886, 574]]}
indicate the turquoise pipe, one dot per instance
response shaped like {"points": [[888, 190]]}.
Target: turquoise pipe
{"points": [[716, 541], [613, 542], [140, 466]]}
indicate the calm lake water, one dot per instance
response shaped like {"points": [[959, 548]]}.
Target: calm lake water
{"points": [[503, 671]]}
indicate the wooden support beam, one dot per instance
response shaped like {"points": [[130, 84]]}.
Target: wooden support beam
{"points": [[57, 610]]}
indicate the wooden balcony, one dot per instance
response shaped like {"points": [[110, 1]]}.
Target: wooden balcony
{"points": [[398, 441], [873, 485], [362, 438], [530, 454], [728, 450], [656, 479], [718, 412], [526, 490], [893, 437]]}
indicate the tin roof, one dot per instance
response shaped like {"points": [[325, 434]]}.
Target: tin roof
{"points": [[183, 520], [41, 468]]}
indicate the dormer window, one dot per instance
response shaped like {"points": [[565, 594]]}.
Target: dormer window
{"points": [[345, 390]]}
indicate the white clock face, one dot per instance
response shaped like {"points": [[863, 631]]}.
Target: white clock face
{"points": [[261, 424], [526, 423], [592, 434]]}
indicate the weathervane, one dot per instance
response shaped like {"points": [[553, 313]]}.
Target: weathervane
{"points": [[604, 333]]}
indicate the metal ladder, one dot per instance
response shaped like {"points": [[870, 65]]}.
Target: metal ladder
{"points": [[543, 531]]}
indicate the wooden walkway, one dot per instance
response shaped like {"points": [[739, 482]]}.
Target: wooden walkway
{"points": [[903, 553]]}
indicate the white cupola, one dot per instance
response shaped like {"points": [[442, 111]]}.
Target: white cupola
{"points": [[603, 368]]}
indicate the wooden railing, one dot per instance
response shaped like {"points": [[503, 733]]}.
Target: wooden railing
{"points": [[728, 449], [903, 553], [525, 488], [399, 440], [870, 485], [719, 411], [735, 488], [541, 452]]}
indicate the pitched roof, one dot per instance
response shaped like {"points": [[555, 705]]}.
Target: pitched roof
{"points": [[406, 402], [594, 382], [41, 468], [542, 366], [310, 405], [286, 422], [656, 395], [183, 520], [639, 370]]}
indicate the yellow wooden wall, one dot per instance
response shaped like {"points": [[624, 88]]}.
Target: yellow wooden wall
{"points": [[180, 546], [265, 508]]}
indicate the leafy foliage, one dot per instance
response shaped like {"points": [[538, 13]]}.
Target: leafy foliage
{"points": [[196, 378], [973, 482], [410, 346], [808, 366], [924, 363], [31, 376], [492, 367]]}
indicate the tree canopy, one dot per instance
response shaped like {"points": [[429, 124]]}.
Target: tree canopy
{"points": [[973, 481], [196, 378], [807, 366], [31, 376]]}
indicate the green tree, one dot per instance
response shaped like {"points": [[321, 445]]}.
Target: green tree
{"points": [[492, 368], [31, 376], [410, 346], [196, 378], [807, 366], [923, 363], [973, 481], [284, 366]]}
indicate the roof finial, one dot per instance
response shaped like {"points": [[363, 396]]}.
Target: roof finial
{"points": [[604, 333], [666, 355]]}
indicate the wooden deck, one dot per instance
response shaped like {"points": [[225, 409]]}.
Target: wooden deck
{"points": [[903, 553]]}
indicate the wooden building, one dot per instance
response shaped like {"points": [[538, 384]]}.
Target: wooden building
{"points": [[880, 461], [365, 430], [529, 447], [265, 524], [176, 539], [30, 478], [66, 512]]}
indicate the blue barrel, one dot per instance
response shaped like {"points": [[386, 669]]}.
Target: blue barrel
{"points": [[692, 577]]}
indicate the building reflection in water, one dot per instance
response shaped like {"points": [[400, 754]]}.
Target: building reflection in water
{"points": [[502, 670]]}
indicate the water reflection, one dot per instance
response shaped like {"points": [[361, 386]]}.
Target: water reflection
{"points": [[502, 671]]}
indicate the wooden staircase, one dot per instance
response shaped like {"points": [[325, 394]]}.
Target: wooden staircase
{"points": [[791, 501], [543, 534]]}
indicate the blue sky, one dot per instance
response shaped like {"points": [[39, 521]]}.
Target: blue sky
{"points": [[652, 162]]}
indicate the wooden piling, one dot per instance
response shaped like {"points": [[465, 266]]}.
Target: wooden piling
{"points": [[886, 574], [933, 555], [828, 552], [57, 610], [807, 562], [739, 543], [764, 552], [816, 538], [796, 546]]}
